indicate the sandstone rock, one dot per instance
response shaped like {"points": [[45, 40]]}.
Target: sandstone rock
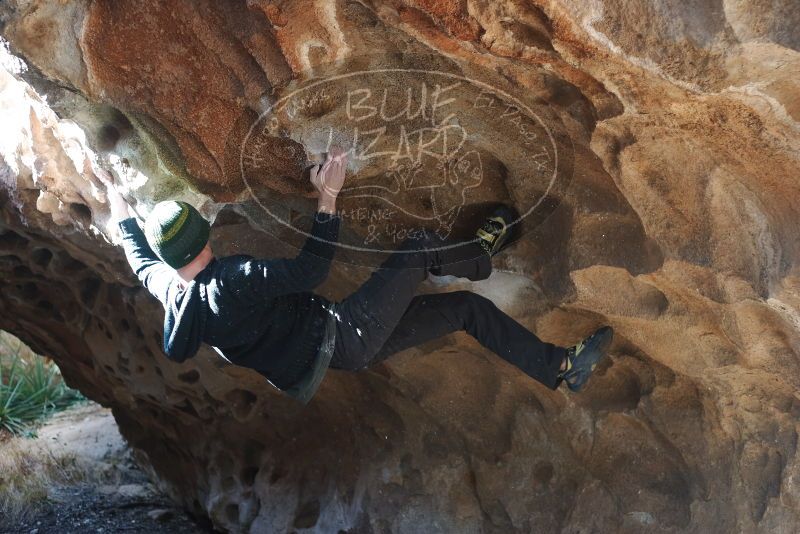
{"points": [[160, 514], [132, 491], [673, 217]]}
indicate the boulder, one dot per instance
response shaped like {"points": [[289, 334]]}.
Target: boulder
{"points": [[652, 148]]}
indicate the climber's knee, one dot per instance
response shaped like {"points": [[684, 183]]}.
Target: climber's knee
{"points": [[470, 300], [468, 306]]}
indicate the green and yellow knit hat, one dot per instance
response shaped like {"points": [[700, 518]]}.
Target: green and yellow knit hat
{"points": [[176, 232]]}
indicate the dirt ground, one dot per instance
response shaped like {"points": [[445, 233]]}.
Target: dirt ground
{"points": [[103, 489]]}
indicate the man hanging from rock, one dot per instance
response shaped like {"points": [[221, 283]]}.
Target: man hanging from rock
{"points": [[262, 313]]}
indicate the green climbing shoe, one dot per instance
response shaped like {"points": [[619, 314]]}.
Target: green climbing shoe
{"points": [[583, 358], [499, 230]]}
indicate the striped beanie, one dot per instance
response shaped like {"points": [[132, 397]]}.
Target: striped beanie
{"points": [[176, 232]]}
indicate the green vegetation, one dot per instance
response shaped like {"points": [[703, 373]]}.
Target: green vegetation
{"points": [[31, 387]]}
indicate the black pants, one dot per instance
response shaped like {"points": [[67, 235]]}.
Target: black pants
{"points": [[384, 317]]}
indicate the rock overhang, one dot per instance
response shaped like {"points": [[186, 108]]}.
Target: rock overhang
{"points": [[677, 227]]}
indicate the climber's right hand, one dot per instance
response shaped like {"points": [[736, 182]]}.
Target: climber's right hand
{"points": [[119, 207], [329, 179]]}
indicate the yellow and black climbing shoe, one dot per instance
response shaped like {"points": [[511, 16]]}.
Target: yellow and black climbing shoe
{"points": [[583, 358], [499, 230]]}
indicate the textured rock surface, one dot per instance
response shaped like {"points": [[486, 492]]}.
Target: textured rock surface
{"points": [[679, 227]]}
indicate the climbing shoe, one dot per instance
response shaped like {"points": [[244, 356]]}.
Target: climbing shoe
{"points": [[497, 231], [583, 358]]}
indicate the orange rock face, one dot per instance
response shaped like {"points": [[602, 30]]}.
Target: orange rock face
{"points": [[653, 147]]}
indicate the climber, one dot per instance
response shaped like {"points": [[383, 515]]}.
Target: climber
{"points": [[262, 314]]}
